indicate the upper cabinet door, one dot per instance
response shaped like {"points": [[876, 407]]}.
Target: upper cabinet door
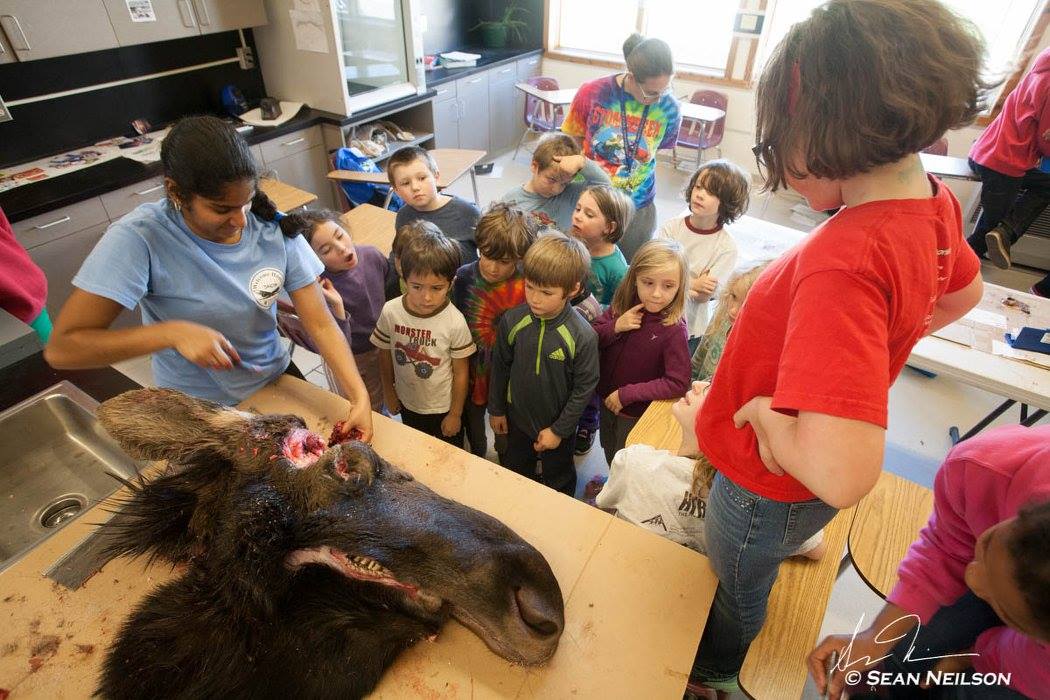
{"points": [[224, 15], [7, 54], [157, 20], [45, 28]]}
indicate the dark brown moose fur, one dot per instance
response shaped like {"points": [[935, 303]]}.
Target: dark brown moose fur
{"points": [[309, 568]]}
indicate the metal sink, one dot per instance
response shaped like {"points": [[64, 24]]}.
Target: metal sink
{"points": [[56, 462]]}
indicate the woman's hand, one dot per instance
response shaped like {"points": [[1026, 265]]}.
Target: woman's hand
{"points": [[752, 413], [361, 418], [204, 346], [612, 402], [629, 320], [332, 298]]}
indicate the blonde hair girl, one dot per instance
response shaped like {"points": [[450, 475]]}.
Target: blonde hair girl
{"points": [[642, 346]]}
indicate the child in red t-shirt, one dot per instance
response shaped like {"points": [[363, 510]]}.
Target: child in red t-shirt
{"points": [[795, 417]]}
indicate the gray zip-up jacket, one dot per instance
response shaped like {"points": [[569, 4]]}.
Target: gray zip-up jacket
{"points": [[543, 371]]}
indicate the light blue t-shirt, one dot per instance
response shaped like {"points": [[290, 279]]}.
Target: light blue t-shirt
{"points": [[151, 259]]}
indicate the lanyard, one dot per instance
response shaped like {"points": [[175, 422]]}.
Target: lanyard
{"points": [[631, 150]]}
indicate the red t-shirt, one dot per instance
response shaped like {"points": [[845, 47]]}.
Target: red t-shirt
{"points": [[23, 287], [829, 325]]}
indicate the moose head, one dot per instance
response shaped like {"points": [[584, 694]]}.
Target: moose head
{"points": [[308, 567]]}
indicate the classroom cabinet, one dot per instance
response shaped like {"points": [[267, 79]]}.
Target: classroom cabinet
{"points": [[61, 259], [38, 29], [172, 19], [504, 118], [35, 29], [473, 95], [299, 159], [483, 111], [446, 117]]}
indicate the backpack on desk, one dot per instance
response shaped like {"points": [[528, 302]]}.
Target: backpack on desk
{"points": [[363, 192]]}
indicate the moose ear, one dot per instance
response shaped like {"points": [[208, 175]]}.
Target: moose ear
{"points": [[155, 519], [167, 424]]}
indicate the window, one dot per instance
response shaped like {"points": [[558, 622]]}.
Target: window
{"points": [[700, 33], [705, 47], [1005, 25]]}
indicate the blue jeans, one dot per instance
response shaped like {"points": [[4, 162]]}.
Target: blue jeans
{"points": [[747, 538]]}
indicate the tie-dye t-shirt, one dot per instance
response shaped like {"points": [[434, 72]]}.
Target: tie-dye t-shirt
{"points": [[594, 117]]}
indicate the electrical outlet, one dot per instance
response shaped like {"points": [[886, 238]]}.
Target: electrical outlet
{"points": [[247, 58], [5, 114]]}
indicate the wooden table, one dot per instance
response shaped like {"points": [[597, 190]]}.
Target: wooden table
{"points": [[371, 225], [635, 603], [886, 523], [284, 195], [775, 666], [452, 164]]}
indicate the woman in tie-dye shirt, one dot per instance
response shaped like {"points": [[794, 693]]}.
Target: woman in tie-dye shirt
{"points": [[621, 121]]}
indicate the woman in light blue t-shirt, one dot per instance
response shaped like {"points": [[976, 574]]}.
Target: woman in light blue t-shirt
{"points": [[205, 265]]}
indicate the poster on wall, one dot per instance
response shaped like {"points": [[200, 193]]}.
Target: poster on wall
{"points": [[141, 10]]}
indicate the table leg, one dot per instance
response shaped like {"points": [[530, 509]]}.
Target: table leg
{"points": [[1029, 421], [474, 184], [953, 431]]}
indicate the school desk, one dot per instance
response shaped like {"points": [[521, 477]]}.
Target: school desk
{"points": [[285, 196], [775, 666], [968, 357], [452, 164], [886, 523], [370, 225], [635, 603]]}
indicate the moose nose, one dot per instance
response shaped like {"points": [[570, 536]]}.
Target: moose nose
{"points": [[538, 614]]}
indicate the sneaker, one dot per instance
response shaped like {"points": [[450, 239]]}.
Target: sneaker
{"points": [[593, 487], [998, 248], [584, 441], [1034, 289]]}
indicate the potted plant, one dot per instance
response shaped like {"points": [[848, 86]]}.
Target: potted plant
{"points": [[494, 32]]}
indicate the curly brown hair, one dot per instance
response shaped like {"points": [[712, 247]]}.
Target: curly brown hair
{"points": [[728, 182], [863, 83]]}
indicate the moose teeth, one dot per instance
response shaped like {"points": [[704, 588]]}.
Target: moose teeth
{"points": [[368, 564]]}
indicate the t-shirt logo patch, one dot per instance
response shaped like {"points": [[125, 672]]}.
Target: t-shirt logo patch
{"points": [[265, 285], [558, 354]]}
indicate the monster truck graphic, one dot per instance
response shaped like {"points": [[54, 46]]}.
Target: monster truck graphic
{"points": [[424, 364]]}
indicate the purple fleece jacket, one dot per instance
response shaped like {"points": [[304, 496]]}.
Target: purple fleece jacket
{"points": [[647, 364]]}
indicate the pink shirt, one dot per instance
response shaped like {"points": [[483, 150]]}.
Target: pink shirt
{"points": [[1013, 142], [23, 287], [983, 482]]}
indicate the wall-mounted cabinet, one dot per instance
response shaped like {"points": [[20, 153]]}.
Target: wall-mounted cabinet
{"points": [[35, 29], [38, 29]]}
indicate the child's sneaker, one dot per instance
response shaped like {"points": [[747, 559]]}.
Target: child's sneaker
{"points": [[998, 248], [593, 488], [584, 441]]}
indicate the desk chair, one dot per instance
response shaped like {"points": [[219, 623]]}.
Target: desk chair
{"points": [[540, 117], [698, 134]]}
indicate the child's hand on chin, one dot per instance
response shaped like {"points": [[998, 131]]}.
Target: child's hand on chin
{"points": [[684, 411]]}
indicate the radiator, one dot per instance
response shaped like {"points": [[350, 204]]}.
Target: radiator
{"points": [[1033, 248]]}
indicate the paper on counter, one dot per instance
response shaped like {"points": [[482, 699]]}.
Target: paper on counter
{"points": [[957, 333], [985, 318], [461, 56]]}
